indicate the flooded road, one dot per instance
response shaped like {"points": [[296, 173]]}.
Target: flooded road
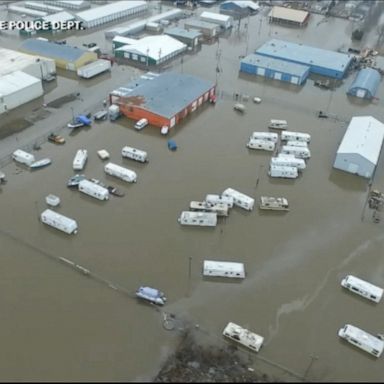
{"points": [[61, 325]]}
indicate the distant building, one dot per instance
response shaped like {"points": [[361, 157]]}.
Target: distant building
{"points": [[239, 8], [366, 83], [225, 21], [360, 147], [209, 30], [163, 99], [190, 38], [288, 16], [71, 4]]}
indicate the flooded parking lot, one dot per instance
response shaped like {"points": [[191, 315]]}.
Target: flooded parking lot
{"points": [[61, 325]]}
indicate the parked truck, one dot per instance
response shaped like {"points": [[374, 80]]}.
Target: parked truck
{"points": [[94, 68]]}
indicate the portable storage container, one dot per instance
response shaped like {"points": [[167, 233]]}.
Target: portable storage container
{"points": [[261, 144], [362, 288], [205, 219], [223, 269], [283, 172], [94, 190], [288, 162], [215, 199], [23, 157], [58, 221], [240, 199], [243, 336], [278, 124], [299, 152], [299, 136], [80, 159], [94, 68], [134, 154], [120, 172], [269, 136]]}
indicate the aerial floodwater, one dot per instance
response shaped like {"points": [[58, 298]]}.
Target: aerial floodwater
{"points": [[69, 309]]}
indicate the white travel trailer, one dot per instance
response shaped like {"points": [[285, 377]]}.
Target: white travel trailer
{"points": [[220, 209], [290, 161], [240, 199], [93, 189], [278, 124], [261, 144], [297, 143], [299, 136], [362, 339], [134, 154], [204, 219], [283, 172], [244, 337], [223, 269], [23, 157], [299, 152], [80, 159], [120, 172], [215, 199], [58, 221], [362, 288], [269, 136]]}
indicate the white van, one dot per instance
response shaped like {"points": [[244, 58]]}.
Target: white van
{"points": [[94, 190], [362, 288], [134, 154], [283, 172], [269, 136], [120, 172], [297, 143], [266, 145], [299, 136], [288, 162], [216, 199], [204, 219], [278, 124], [223, 269], [243, 336], [58, 221], [240, 199], [299, 152], [142, 123], [362, 339], [23, 157]]}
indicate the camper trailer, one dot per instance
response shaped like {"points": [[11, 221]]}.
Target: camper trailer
{"points": [[23, 157], [220, 209], [269, 136], [134, 154], [283, 172], [240, 199], [205, 219], [278, 124], [299, 152], [120, 172], [93, 189], [274, 203], [299, 136], [58, 221], [362, 339], [290, 161], [261, 144], [215, 199], [80, 159], [243, 336], [223, 269], [362, 288], [297, 143]]}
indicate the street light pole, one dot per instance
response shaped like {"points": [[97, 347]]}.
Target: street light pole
{"points": [[73, 116]]}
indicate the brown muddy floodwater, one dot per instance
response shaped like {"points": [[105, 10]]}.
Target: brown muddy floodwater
{"points": [[58, 324]]}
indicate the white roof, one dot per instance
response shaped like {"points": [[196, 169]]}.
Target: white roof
{"points": [[45, 7], [245, 4], [364, 136], [215, 16], [288, 14], [27, 11], [16, 81], [224, 265], [60, 16], [125, 40]]}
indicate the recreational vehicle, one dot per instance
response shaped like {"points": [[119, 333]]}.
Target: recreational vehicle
{"points": [[220, 209], [80, 159], [23, 157], [58, 221], [134, 154], [243, 336], [297, 143], [240, 199], [205, 219], [362, 288], [261, 144], [215, 199], [223, 269], [269, 136], [94, 190], [286, 161], [362, 339], [278, 124], [299, 152], [299, 136], [283, 172], [120, 172], [274, 203]]}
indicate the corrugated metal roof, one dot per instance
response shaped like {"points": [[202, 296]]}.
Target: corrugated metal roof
{"points": [[364, 136], [176, 31], [165, 94], [16, 81], [305, 54], [27, 11], [43, 7], [201, 24], [368, 79], [124, 40], [78, 4], [289, 14], [276, 64], [60, 16], [216, 16], [52, 50]]}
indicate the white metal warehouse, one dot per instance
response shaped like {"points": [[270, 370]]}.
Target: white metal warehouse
{"points": [[106, 13], [18, 88], [71, 4], [360, 148], [225, 21]]}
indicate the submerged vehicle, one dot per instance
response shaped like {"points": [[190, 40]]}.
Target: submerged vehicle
{"points": [[57, 139], [152, 295], [75, 180]]}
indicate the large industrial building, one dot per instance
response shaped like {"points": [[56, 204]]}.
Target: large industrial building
{"points": [[366, 83], [240, 8], [190, 38], [320, 61], [70, 4], [271, 68], [163, 99], [209, 30], [288, 16], [225, 21], [65, 56], [360, 148]]}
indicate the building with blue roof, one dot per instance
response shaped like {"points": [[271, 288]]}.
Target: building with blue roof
{"points": [[164, 98], [274, 69], [321, 61], [366, 83], [65, 56]]}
